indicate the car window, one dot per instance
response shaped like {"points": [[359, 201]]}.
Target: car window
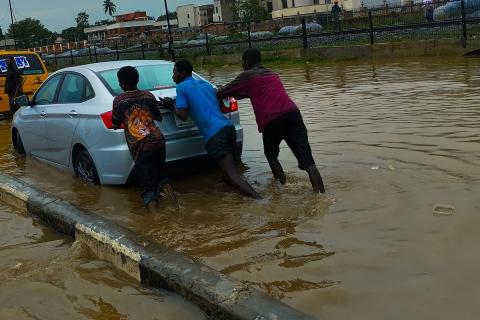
{"points": [[46, 94], [151, 78], [73, 89], [89, 93], [27, 63]]}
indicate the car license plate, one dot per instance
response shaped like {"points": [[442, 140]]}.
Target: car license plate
{"points": [[180, 123]]}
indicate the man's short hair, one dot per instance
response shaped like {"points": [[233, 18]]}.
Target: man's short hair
{"points": [[184, 66], [252, 56], [128, 75]]}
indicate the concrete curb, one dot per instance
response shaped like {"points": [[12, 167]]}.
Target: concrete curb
{"points": [[147, 261]]}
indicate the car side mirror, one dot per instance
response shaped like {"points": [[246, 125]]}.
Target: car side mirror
{"points": [[22, 101]]}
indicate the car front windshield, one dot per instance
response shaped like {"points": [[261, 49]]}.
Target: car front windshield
{"points": [[155, 77]]}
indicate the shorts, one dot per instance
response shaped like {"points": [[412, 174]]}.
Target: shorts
{"points": [[288, 127], [222, 143]]}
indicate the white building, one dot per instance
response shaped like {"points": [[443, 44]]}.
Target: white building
{"points": [[286, 8], [186, 16], [223, 11], [164, 25], [189, 16]]}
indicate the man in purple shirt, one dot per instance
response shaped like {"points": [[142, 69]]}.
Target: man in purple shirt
{"points": [[278, 117]]}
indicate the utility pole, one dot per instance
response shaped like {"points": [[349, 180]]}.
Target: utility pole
{"points": [[170, 39], [13, 26]]}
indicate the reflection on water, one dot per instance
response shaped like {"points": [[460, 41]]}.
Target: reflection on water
{"points": [[391, 139], [43, 277]]}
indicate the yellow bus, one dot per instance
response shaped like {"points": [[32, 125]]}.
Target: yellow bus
{"points": [[33, 73]]}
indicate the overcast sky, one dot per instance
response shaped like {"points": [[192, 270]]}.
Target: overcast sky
{"points": [[57, 15]]}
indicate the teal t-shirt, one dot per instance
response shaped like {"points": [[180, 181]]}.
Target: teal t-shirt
{"points": [[200, 98]]}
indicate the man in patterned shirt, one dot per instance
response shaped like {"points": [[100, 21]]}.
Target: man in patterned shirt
{"points": [[135, 110]]}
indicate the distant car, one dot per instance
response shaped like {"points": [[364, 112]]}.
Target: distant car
{"points": [[68, 122]]}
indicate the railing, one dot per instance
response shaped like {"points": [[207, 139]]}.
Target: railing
{"points": [[377, 25]]}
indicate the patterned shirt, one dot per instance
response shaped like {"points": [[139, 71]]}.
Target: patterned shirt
{"points": [[266, 92], [137, 110]]}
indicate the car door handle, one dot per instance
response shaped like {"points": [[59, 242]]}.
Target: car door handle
{"points": [[73, 113], [43, 114]]}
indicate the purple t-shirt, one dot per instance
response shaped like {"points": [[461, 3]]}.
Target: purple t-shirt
{"points": [[266, 92]]}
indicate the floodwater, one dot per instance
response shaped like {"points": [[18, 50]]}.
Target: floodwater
{"points": [[43, 276], [392, 139]]}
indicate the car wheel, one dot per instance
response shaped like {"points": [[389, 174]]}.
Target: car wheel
{"points": [[19, 144], [85, 168]]}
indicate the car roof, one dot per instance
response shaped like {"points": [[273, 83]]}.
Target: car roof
{"points": [[109, 65]]}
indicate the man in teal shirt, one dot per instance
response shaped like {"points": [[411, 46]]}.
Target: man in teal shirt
{"points": [[199, 99]]}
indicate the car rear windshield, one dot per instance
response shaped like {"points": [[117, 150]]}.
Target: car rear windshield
{"points": [[152, 78], [26, 63]]}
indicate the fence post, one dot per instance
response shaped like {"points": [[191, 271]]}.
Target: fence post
{"points": [[370, 24], [206, 43], [249, 36], [95, 52], [71, 56], [171, 48], [90, 53], [304, 34], [116, 50], [143, 50], [464, 25]]}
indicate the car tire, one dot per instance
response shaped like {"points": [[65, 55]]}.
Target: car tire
{"points": [[19, 144], [85, 169]]}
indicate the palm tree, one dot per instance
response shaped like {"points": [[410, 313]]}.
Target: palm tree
{"points": [[109, 7], [82, 19]]}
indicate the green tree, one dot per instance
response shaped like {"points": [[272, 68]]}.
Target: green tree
{"points": [[110, 7], [171, 15], [73, 34], [30, 32], [103, 22], [82, 20], [250, 10], [1, 33]]}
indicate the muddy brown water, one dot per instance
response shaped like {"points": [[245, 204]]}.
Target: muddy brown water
{"points": [[43, 276], [392, 140]]}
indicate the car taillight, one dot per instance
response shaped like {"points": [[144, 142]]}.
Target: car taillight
{"points": [[229, 105], [107, 120]]}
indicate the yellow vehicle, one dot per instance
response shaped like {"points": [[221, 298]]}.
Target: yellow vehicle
{"points": [[33, 73]]}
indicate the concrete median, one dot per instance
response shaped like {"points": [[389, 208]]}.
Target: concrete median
{"points": [[149, 262]]}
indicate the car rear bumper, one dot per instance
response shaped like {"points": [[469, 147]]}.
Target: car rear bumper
{"points": [[114, 162]]}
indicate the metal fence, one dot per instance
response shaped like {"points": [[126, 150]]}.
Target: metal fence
{"points": [[384, 24]]}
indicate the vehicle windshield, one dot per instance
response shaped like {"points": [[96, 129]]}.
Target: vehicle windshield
{"points": [[152, 78], [26, 64]]}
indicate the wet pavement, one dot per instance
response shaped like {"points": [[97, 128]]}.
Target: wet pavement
{"points": [[393, 140]]}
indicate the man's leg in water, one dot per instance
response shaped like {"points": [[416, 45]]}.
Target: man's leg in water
{"points": [[272, 136], [227, 164], [297, 141], [148, 175]]}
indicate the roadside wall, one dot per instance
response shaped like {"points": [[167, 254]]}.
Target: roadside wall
{"points": [[442, 47]]}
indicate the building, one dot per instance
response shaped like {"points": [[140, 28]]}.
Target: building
{"points": [[126, 26], [164, 25], [288, 8], [223, 11], [186, 16], [204, 14], [7, 44], [189, 16]]}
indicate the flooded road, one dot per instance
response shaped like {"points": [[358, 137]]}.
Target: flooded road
{"points": [[392, 140], [43, 276]]}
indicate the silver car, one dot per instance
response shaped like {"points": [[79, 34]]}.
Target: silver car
{"points": [[68, 123]]}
